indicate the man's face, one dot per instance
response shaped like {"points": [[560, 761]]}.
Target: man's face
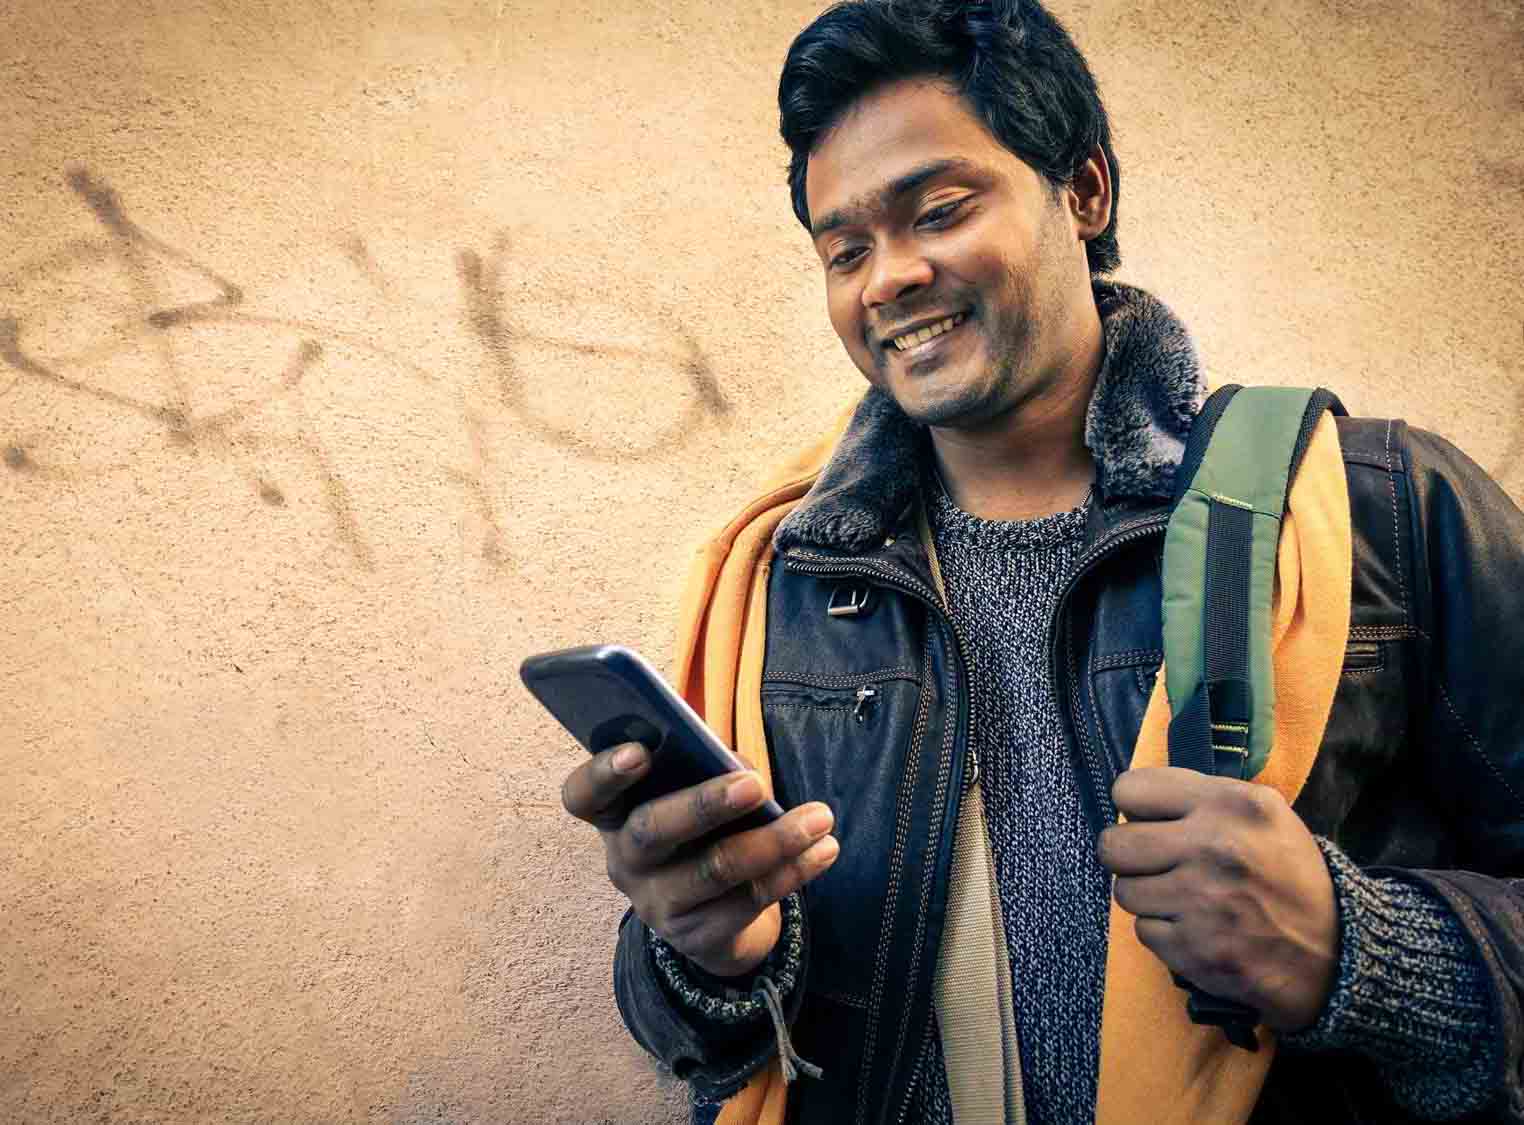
{"points": [[923, 220]]}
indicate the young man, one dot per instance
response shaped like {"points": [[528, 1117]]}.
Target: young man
{"points": [[966, 607]]}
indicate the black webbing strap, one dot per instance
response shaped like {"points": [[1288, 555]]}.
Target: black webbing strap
{"points": [[1230, 556], [1211, 734]]}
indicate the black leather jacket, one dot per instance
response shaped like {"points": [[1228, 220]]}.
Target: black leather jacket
{"points": [[1422, 766]]}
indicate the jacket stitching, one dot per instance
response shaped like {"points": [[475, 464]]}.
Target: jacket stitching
{"points": [[853, 680], [1087, 695], [1382, 632], [1391, 484], [845, 1000], [1131, 658], [1477, 746]]}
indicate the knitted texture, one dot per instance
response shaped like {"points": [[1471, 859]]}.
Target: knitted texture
{"points": [[1410, 994], [1003, 579], [734, 1000]]}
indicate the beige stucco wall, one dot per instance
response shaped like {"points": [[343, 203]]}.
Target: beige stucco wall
{"points": [[351, 352]]}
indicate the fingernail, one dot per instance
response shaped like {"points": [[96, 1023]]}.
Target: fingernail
{"points": [[628, 758], [744, 793], [822, 851], [817, 822]]}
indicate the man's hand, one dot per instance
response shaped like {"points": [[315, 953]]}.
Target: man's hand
{"points": [[1229, 888], [718, 907]]}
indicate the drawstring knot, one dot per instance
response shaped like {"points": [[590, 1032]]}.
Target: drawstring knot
{"points": [[793, 1063]]}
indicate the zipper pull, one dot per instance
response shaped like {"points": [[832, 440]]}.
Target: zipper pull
{"points": [[865, 695]]}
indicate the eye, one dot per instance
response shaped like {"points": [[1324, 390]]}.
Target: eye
{"points": [[846, 258], [939, 214]]}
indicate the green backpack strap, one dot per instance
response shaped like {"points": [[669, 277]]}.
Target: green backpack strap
{"points": [[1219, 582]]}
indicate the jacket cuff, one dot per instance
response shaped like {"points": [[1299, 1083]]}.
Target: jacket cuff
{"points": [[735, 1000], [715, 1057], [1410, 994]]}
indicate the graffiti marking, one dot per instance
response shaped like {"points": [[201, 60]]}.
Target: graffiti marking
{"points": [[485, 315], [358, 253], [227, 430]]}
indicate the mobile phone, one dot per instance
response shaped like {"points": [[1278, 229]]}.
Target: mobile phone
{"points": [[608, 694]]}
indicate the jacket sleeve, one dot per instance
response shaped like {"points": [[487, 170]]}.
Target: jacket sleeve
{"points": [[715, 1057], [1469, 611]]}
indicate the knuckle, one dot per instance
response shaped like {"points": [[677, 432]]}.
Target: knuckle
{"points": [[640, 829], [1228, 856], [1105, 850], [759, 893], [716, 866], [708, 804], [1216, 905], [1256, 803], [1223, 912], [1122, 891], [1221, 959]]}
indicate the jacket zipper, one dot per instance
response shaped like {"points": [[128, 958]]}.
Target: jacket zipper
{"points": [[937, 800], [901, 835], [1096, 771], [868, 686], [917, 1074]]}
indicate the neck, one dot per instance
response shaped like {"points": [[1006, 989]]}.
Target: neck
{"points": [[1032, 460]]}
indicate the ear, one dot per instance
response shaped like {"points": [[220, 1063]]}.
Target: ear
{"points": [[1089, 196]]}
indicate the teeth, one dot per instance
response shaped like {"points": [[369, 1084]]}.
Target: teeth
{"points": [[911, 339]]}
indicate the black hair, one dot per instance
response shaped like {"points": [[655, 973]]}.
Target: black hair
{"points": [[1012, 63]]}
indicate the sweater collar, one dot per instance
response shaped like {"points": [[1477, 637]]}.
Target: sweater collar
{"points": [[1146, 395]]}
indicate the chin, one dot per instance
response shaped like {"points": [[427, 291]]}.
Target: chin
{"points": [[948, 410]]}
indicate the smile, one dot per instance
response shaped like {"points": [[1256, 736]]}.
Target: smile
{"points": [[922, 336]]}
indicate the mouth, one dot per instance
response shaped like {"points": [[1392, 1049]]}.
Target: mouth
{"points": [[924, 337]]}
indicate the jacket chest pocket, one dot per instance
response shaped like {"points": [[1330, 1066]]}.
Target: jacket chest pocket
{"points": [[1369, 719], [1367, 792], [845, 740]]}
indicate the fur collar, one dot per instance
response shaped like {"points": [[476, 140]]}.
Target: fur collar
{"points": [[1149, 390]]}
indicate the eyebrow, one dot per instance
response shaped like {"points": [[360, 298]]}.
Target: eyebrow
{"points": [[888, 194]]}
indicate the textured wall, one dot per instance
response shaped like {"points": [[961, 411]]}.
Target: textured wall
{"points": [[351, 352]]}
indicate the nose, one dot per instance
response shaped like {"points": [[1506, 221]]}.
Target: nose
{"points": [[896, 272]]}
